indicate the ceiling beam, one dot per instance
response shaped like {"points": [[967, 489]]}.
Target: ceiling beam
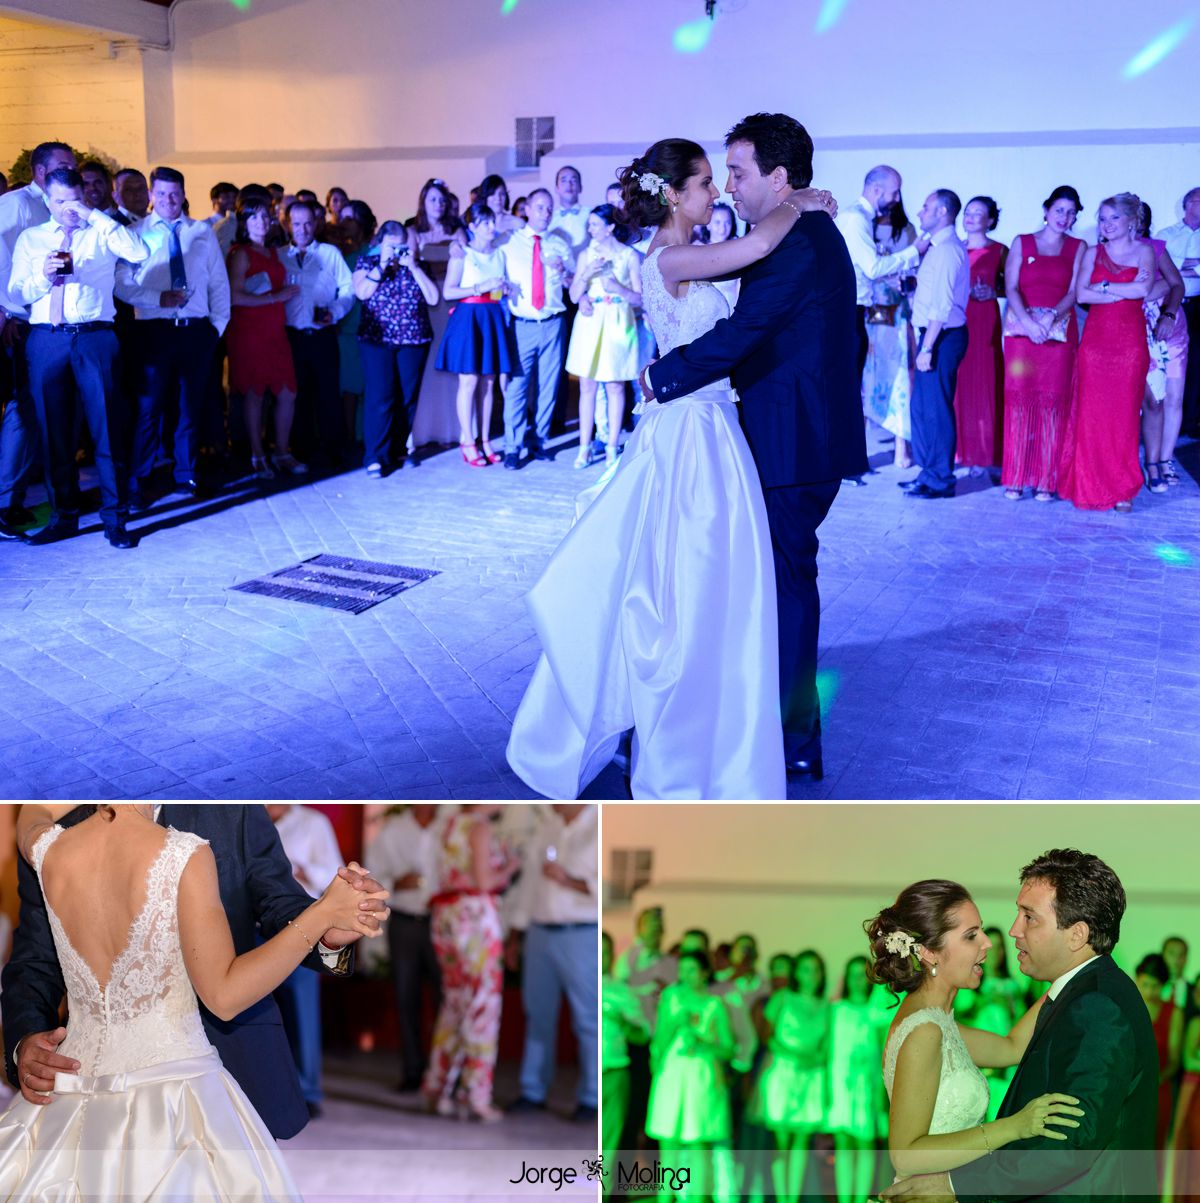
{"points": [[124, 18]]}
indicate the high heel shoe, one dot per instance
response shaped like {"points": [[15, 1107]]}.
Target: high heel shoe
{"points": [[260, 467], [492, 457], [610, 453], [584, 458], [1154, 478], [471, 456], [289, 465]]}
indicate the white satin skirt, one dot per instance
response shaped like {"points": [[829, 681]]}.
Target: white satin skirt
{"points": [[180, 1130], [658, 612]]}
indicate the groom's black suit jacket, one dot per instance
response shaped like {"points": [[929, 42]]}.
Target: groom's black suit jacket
{"points": [[260, 894], [792, 346], [1097, 1044]]}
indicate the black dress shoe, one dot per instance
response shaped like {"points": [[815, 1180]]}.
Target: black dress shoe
{"points": [[543, 452], [189, 487], [808, 765], [512, 460], [138, 502], [523, 1106], [907, 484], [856, 481], [17, 515], [8, 531], [52, 532], [925, 493], [119, 537]]}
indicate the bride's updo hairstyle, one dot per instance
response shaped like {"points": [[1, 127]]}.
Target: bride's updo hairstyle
{"points": [[924, 911], [673, 160]]}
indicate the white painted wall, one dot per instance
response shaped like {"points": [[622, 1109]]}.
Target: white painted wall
{"points": [[808, 875]]}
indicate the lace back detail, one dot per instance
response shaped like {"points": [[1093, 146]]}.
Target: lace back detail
{"points": [[37, 854], [147, 1012], [962, 1098]]}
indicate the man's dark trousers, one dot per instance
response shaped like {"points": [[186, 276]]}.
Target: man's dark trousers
{"points": [[320, 420], [933, 431], [171, 355]]}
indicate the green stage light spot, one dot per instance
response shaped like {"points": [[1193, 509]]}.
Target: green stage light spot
{"points": [[693, 36], [830, 14], [827, 687], [507, 6], [1170, 554], [1158, 48]]}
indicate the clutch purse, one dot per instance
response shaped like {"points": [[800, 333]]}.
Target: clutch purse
{"points": [[1014, 329], [881, 315]]}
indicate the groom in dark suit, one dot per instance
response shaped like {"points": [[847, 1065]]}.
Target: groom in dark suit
{"points": [[1093, 1040], [260, 895], [790, 348]]}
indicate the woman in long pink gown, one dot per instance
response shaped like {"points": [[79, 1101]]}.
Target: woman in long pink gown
{"points": [[1100, 468], [1039, 280]]}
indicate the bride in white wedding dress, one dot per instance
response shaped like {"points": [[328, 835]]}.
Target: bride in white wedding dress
{"points": [[658, 611], [140, 931], [926, 946]]}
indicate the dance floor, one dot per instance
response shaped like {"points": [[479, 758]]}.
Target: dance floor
{"points": [[971, 648], [373, 1145]]}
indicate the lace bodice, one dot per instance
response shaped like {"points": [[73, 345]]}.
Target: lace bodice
{"points": [[962, 1097], [148, 1011], [675, 322]]}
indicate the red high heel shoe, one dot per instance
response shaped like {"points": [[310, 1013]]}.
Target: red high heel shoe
{"points": [[471, 456], [492, 457]]}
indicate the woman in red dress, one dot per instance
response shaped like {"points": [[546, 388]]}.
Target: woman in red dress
{"points": [[1100, 468], [260, 359], [979, 399], [1183, 1178], [1039, 280]]}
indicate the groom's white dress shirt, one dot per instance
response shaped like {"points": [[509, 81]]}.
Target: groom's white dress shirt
{"points": [[856, 224], [1059, 984]]}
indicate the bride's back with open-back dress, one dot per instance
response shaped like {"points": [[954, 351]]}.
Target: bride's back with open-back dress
{"points": [[151, 1114], [658, 609]]}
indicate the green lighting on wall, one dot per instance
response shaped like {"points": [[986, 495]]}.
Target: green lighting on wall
{"points": [[1157, 49], [692, 37], [508, 6]]}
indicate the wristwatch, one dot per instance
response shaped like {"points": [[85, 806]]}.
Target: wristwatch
{"points": [[1104, 286]]}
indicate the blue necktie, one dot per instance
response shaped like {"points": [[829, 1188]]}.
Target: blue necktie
{"points": [[178, 271]]}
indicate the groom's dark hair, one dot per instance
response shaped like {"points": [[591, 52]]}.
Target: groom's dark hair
{"points": [[1086, 890], [778, 141]]}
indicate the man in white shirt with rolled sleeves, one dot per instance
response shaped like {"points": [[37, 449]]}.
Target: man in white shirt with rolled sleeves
{"points": [[881, 190], [64, 270], [557, 907], [20, 208], [180, 298], [939, 318], [326, 296], [538, 265], [1183, 245], [405, 856]]}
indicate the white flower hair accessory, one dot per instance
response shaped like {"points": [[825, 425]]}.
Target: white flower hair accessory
{"points": [[654, 184], [899, 942]]}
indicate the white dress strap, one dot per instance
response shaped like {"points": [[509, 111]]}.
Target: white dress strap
{"points": [[37, 854], [904, 1029]]}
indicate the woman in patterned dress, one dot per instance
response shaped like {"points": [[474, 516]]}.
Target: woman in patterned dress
{"points": [[466, 940]]}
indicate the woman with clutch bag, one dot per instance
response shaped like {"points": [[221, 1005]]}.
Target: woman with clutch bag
{"points": [[1041, 336], [979, 399]]}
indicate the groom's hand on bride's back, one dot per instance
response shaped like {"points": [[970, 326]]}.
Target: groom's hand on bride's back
{"points": [[372, 907], [38, 1062]]}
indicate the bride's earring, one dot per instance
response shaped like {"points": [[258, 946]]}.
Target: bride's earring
{"points": [[674, 208], [933, 971]]}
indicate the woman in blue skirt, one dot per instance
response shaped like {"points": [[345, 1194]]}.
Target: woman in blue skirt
{"points": [[478, 343]]}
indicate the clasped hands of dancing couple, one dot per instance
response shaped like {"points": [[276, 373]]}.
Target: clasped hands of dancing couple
{"points": [[166, 942], [695, 555], [1080, 1111]]}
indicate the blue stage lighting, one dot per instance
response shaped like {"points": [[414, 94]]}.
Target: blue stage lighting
{"points": [[1158, 48]]}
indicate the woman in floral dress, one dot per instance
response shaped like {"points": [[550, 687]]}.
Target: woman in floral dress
{"points": [[466, 940]]}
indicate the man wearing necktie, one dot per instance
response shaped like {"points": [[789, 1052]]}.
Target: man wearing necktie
{"points": [[180, 296], [64, 270], [1092, 1040], [537, 264]]}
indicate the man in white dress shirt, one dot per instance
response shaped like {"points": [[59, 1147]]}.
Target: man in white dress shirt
{"points": [[20, 208], [64, 270], [940, 320], [405, 857], [311, 845], [538, 264], [1183, 245], [180, 297], [326, 296], [557, 907], [569, 220], [881, 190]]}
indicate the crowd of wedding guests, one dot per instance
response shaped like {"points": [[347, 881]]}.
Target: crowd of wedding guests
{"points": [[279, 332], [1080, 392], [468, 899], [758, 1069]]}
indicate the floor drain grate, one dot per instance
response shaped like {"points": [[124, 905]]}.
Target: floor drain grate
{"points": [[337, 582]]}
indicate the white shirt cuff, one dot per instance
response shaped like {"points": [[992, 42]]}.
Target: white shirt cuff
{"points": [[330, 956]]}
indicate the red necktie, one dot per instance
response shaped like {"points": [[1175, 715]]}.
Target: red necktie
{"points": [[539, 276], [58, 286]]}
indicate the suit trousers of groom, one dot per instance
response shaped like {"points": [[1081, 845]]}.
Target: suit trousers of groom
{"points": [[540, 345], [794, 512], [933, 432]]}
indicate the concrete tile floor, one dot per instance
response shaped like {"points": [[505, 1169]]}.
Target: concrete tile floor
{"points": [[972, 648]]}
